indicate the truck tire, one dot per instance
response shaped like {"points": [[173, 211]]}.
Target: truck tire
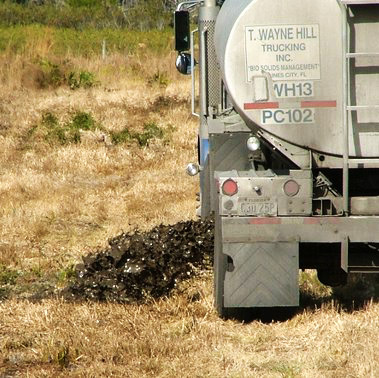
{"points": [[333, 277]]}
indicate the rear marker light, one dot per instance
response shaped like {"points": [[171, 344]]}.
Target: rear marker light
{"points": [[253, 144], [291, 188], [229, 187]]}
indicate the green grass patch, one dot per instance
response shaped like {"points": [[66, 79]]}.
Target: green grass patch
{"points": [[81, 79], [54, 75], [66, 274], [150, 132], [122, 136], [7, 276], [52, 130], [55, 132], [285, 369], [61, 42]]}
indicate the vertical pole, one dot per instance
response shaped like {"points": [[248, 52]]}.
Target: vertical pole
{"points": [[193, 75], [345, 80], [104, 49]]}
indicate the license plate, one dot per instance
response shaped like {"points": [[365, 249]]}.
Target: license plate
{"points": [[258, 208]]}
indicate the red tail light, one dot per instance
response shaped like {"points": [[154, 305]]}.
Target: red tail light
{"points": [[291, 188], [229, 187]]}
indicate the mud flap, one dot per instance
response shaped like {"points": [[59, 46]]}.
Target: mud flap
{"points": [[261, 274]]}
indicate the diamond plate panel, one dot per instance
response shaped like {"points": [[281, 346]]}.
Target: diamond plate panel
{"points": [[264, 275], [213, 68]]}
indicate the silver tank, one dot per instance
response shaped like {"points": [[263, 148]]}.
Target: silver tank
{"points": [[282, 64]]}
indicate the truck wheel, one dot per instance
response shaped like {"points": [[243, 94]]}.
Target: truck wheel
{"points": [[332, 277]]}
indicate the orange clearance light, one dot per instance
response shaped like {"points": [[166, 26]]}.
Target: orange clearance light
{"points": [[291, 188], [229, 187]]}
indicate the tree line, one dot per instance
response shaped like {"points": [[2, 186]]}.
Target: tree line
{"points": [[78, 14]]}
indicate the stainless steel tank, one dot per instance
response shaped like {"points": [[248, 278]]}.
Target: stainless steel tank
{"points": [[283, 65]]}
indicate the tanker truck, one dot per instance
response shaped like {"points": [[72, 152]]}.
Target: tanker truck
{"points": [[287, 96]]}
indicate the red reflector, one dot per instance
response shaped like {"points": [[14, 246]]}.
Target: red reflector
{"points": [[229, 187], [291, 188]]}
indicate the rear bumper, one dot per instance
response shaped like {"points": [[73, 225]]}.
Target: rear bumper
{"points": [[355, 229]]}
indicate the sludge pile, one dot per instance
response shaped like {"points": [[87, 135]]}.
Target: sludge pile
{"points": [[139, 266]]}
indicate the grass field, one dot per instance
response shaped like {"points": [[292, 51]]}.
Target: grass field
{"points": [[119, 166]]}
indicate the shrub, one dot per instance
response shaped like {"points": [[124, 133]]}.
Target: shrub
{"points": [[79, 14], [150, 131], [82, 121], [121, 136], [149, 14], [7, 276], [53, 75], [52, 131], [84, 79]]}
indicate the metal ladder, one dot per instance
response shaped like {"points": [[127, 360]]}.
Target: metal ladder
{"points": [[347, 107]]}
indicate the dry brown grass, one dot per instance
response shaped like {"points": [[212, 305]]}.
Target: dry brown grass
{"points": [[182, 337], [60, 202]]}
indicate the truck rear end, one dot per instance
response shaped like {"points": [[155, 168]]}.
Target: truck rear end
{"points": [[288, 143]]}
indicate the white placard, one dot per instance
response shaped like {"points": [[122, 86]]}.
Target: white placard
{"points": [[286, 52]]}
